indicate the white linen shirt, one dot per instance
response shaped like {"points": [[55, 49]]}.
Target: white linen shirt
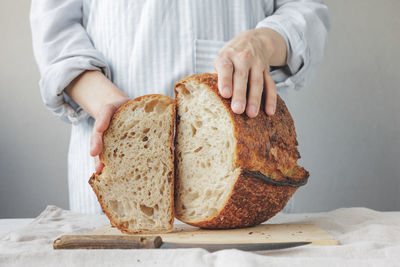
{"points": [[146, 46]]}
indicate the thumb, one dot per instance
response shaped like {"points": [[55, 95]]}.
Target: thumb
{"points": [[98, 165], [101, 124]]}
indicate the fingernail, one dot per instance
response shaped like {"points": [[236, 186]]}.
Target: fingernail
{"points": [[270, 109], [226, 91], [253, 110], [237, 106]]}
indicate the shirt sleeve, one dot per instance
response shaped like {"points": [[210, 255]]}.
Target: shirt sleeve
{"points": [[304, 25], [63, 50]]}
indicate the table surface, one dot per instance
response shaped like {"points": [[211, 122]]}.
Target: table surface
{"points": [[367, 238], [8, 225]]}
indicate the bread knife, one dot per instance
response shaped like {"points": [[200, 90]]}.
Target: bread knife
{"points": [[152, 242]]}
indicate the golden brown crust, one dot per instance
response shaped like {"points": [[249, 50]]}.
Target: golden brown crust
{"points": [[171, 177], [171, 181], [267, 154]]}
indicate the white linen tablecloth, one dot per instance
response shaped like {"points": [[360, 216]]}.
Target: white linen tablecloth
{"points": [[367, 238]]}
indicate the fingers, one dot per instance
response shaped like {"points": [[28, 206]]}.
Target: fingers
{"points": [[224, 67], [98, 165], [270, 94], [96, 143], [101, 124], [256, 86], [240, 80], [104, 117], [233, 71]]}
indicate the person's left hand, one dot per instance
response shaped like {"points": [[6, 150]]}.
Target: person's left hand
{"points": [[243, 65]]}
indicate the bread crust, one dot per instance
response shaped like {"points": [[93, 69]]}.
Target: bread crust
{"points": [[96, 176], [266, 153], [251, 202]]}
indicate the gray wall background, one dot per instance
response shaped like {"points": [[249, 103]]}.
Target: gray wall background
{"points": [[347, 119]]}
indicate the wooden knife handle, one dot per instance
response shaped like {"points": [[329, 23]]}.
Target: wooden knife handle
{"points": [[106, 242]]}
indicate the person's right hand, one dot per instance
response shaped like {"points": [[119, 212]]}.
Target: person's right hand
{"points": [[100, 98], [102, 121]]}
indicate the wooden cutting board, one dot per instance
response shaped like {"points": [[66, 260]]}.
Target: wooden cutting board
{"points": [[264, 233]]}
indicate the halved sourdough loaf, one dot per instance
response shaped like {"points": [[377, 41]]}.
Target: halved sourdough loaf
{"points": [[135, 188], [231, 171]]}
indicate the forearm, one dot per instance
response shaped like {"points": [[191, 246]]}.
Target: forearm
{"points": [[275, 44], [304, 26], [92, 90], [63, 50]]}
